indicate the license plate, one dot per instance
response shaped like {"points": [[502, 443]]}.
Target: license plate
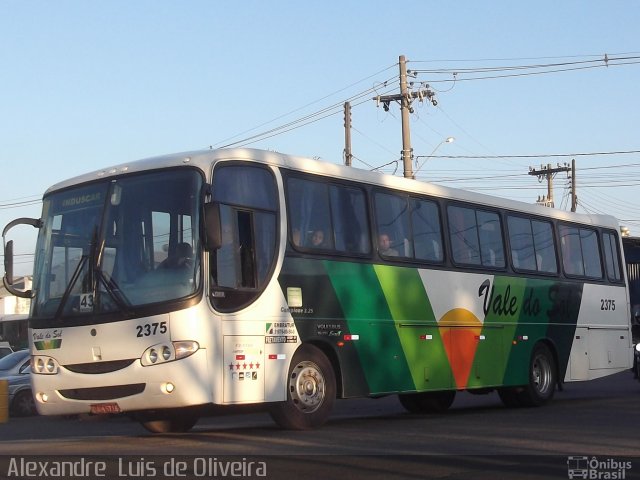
{"points": [[102, 408]]}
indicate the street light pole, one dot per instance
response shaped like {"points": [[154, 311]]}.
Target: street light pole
{"points": [[427, 157]]}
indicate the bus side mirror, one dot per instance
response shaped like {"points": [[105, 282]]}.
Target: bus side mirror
{"points": [[8, 262], [7, 280], [212, 230]]}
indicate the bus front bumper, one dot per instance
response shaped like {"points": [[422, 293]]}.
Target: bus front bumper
{"points": [[175, 384]]}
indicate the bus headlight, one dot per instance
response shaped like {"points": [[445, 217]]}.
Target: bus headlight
{"points": [[638, 348], [153, 355], [44, 365], [184, 349], [167, 352]]}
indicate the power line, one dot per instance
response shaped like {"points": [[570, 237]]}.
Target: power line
{"points": [[541, 155], [511, 59], [19, 204], [544, 69], [307, 119], [601, 61]]}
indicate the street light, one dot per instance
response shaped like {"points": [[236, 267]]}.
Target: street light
{"points": [[427, 157]]}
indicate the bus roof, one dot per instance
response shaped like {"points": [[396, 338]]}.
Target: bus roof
{"points": [[204, 159]]}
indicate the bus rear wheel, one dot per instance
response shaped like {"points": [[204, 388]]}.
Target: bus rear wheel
{"points": [[542, 378], [427, 402], [311, 391]]}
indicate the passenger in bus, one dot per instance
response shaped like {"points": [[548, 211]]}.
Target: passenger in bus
{"points": [[384, 246], [296, 237], [317, 239], [181, 257]]}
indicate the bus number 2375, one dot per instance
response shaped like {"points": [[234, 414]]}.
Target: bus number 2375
{"points": [[149, 329]]}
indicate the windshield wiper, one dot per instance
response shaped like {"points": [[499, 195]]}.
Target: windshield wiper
{"points": [[114, 291], [110, 286], [67, 291]]}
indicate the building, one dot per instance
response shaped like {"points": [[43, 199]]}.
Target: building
{"points": [[14, 312]]}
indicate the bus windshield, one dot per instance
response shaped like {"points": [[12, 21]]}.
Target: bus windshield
{"points": [[118, 245]]}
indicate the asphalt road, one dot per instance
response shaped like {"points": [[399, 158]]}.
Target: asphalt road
{"points": [[376, 438]]}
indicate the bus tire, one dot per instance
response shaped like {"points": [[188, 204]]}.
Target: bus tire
{"points": [[427, 402], [311, 391], [542, 378], [167, 423], [23, 404]]}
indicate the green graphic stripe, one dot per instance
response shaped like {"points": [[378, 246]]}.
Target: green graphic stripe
{"points": [[414, 318], [504, 304], [48, 344], [401, 346], [368, 315]]}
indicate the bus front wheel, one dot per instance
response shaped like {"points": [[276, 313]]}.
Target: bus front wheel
{"points": [[163, 422], [311, 391]]}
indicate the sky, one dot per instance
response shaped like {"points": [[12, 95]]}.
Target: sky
{"points": [[85, 85]]}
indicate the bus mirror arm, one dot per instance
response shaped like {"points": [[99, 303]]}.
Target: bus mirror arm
{"points": [[212, 230], [14, 291], [7, 279]]}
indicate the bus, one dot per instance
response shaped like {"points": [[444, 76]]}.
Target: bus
{"points": [[167, 286], [13, 330]]}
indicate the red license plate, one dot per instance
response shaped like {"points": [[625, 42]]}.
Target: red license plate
{"points": [[102, 408]]}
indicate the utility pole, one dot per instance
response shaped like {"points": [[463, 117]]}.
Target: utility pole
{"points": [[405, 98], [574, 196], [347, 134], [407, 151], [548, 173]]}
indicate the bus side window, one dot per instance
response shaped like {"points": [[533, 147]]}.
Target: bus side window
{"points": [[349, 215], [465, 245], [580, 251], [490, 235], [521, 241], [427, 235], [392, 221], [611, 255], [571, 250], [309, 214], [532, 245], [591, 253], [545, 246]]}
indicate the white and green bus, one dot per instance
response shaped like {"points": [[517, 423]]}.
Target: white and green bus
{"points": [[239, 276]]}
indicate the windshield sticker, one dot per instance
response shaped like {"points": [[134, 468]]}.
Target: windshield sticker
{"points": [[86, 302], [294, 297]]}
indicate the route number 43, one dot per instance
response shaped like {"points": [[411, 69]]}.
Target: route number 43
{"points": [[86, 302]]}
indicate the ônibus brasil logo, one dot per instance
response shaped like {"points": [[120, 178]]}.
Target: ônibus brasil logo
{"points": [[592, 468]]}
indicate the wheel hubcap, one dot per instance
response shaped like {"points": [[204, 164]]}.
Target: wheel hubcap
{"points": [[541, 373], [307, 387]]}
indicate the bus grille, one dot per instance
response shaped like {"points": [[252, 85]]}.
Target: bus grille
{"points": [[100, 367], [103, 393]]}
